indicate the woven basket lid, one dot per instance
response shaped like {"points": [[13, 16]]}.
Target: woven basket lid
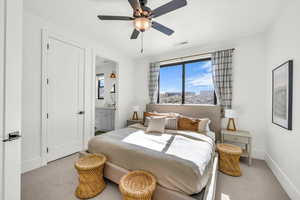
{"points": [[90, 162], [138, 184], [229, 148]]}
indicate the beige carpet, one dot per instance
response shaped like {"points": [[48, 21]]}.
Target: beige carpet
{"points": [[58, 180]]}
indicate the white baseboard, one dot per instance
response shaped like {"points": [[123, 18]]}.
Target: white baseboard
{"points": [[28, 165], [284, 180]]}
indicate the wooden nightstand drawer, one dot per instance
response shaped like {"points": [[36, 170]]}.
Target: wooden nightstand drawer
{"points": [[233, 138]]}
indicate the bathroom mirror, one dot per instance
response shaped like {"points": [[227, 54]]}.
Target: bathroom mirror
{"points": [[100, 85]]}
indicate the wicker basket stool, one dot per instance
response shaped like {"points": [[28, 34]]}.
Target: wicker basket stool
{"points": [[229, 159], [137, 185], [90, 170]]}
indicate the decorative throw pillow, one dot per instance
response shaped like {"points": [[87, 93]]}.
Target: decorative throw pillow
{"points": [[169, 114], [147, 119], [203, 125], [146, 123], [200, 125], [171, 123], [151, 114], [208, 126], [187, 124], [156, 125]]}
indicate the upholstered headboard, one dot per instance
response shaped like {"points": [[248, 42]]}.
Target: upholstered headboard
{"points": [[198, 111]]}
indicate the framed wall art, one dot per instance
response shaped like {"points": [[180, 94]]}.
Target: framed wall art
{"points": [[282, 95]]}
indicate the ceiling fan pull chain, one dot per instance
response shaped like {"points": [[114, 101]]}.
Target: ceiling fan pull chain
{"points": [[142, 43]]}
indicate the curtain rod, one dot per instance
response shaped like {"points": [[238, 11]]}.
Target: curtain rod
{"points": [[201, 54]]}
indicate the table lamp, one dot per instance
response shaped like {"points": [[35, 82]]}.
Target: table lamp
{"points": [[136, 109], [230, 114]]}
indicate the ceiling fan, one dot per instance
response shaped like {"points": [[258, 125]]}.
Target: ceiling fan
{"points": [[143, 16]]}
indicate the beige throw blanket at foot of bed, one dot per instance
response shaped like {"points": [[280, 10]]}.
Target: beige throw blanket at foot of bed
{"points": [[178, 159]]}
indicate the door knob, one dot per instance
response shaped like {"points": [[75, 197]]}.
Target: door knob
{"points": [[80, 113]]}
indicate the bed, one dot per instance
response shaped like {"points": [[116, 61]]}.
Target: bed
{"points": [[182, 174]]}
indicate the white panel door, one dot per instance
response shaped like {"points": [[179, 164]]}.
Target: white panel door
{"points": [[2, 32], [10, 98], [65, 64]]}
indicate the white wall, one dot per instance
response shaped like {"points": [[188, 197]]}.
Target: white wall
{"points": [[31, 102], [283, 146], [249, 84], [106, 69]]}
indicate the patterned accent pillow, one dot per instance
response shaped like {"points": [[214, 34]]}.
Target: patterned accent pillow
{"points": [[171, 123]]}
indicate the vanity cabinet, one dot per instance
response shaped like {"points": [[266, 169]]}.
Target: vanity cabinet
{"points": [[105, 119]]}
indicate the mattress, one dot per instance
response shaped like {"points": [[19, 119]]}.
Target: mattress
{"points": [[178, 159]]}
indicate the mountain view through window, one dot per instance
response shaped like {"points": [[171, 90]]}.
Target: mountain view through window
{"points": [[187, 83]]}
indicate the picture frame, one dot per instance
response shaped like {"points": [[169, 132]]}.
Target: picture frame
{"points": [[282, 95]]}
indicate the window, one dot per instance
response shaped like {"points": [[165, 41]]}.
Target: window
{"points": [[170, 81], [187, 83], [100, 86]]}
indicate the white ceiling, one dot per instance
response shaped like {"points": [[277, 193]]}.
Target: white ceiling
{"points": [[201, 22], [100, 61]]}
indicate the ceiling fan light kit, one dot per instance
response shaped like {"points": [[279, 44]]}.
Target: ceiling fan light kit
{"points": [[143, 16], [142, 23]]}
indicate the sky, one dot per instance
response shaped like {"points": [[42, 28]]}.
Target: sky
{"points": [[197, 75]]}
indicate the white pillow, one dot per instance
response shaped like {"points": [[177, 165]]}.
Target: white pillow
{"points": [[203, 125], [208, 126], [156, 125], [171, 123], [147, 121]]}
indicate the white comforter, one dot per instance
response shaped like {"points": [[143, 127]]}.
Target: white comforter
{"points": [[187, 145], [178, 159]]}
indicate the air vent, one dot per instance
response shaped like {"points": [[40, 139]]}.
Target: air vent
{"points": [[182, 43]]}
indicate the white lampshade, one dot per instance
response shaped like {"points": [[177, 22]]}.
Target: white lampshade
{"points": [[229, 113], [136, 108]]}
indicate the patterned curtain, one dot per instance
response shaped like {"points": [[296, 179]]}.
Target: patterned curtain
{"points": [[222, 77], [153, 82]]}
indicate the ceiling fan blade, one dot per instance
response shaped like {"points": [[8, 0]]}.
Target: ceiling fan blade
{"points": [[135, 4], [108, 17], [162, 28], [134, 34], [169, 7]]}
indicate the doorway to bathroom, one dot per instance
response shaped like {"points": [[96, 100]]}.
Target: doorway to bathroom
{"points": [[106, 79]]}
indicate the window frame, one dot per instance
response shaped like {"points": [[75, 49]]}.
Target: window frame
{"points": [[183, 78]]}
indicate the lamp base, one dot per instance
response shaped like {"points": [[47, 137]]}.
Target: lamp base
{"points": [[231, 125], [135, 116]]}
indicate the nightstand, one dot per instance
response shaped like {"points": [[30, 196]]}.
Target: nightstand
{"points": [[240, 137], [131, 121]]}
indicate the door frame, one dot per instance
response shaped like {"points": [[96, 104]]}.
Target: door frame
{"points": [[94, 54], [46, 34]]}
